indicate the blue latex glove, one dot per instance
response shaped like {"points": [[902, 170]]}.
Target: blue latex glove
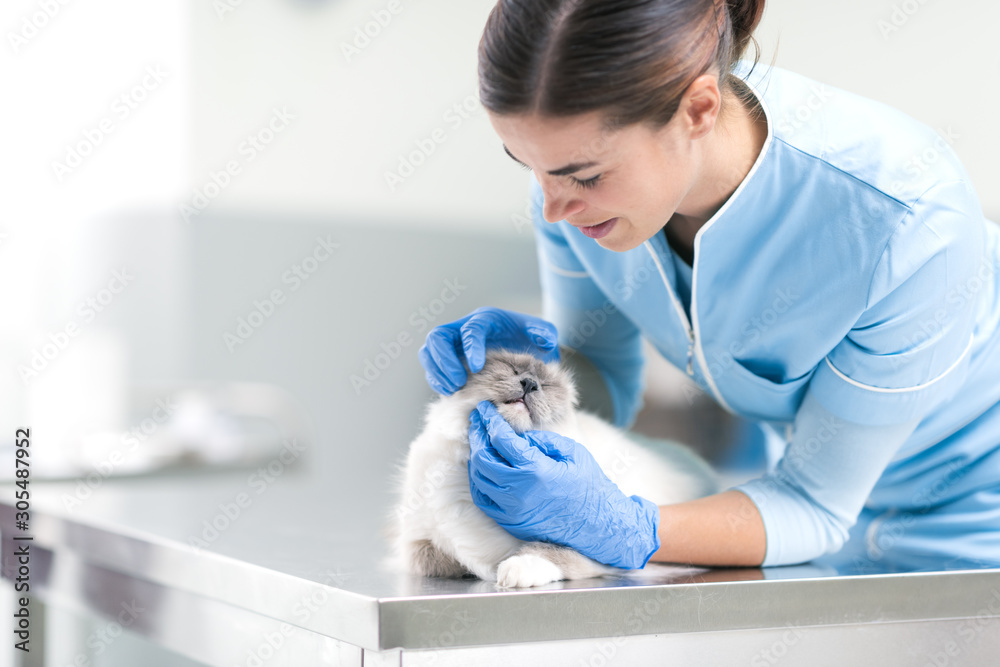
{"points": [[542, 486], [445, 347]]}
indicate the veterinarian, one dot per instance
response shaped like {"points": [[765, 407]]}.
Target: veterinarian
{"points": [[815, 261]]}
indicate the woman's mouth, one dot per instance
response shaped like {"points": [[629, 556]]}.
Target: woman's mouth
{"points": [[601, 230]]}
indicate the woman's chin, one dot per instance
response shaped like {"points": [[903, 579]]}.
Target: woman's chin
{"points": [[615, 244]]}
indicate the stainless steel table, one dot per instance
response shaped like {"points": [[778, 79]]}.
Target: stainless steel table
{"points": [[236, 568]]}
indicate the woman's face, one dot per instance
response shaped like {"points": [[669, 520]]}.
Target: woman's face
{"points": [[589, 176]]}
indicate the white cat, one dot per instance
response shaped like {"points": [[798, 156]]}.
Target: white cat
{"points": [[437, 530]]}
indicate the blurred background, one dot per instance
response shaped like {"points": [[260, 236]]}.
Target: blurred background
{"points": [[273, 192], [230, 223], [284, 193]]}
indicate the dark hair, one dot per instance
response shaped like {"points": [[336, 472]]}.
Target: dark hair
{"points": [[631, 59]]}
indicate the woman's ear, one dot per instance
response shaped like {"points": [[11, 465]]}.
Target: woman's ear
{"points": [[700, 106]]}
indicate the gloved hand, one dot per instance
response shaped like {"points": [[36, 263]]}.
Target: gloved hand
{"points": [[542, 486], [469, 337]]}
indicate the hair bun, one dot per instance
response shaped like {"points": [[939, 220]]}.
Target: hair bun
{"points": [[745, 16]]}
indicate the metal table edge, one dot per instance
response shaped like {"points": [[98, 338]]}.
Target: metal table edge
{"points": [[105, 541], [449, 621], [503, 617]]}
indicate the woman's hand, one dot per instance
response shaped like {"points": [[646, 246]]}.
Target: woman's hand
{"points": [[541, 486], [468, 338]]}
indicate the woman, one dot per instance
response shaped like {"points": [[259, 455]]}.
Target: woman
{"points": [[814, 260]]}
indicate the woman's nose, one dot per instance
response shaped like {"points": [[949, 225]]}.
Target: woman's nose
{"points": [[558, 207]]}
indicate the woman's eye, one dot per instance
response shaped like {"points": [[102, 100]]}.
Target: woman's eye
{"points": [[589, 183]]}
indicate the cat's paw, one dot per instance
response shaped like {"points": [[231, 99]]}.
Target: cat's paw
{"points": [[527, 570]]}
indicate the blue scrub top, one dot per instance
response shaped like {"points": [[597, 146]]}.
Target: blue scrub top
{"points": [[853, 272]]}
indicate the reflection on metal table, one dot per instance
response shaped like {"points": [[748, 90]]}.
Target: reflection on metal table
{"points": [[235, 568]]}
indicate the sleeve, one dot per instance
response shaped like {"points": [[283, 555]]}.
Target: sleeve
{"points": [[587, 320], [809, 502], [906, 354], [909, 351]]}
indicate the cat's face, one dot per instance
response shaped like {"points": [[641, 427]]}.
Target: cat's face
{"points": [[528, 393]]}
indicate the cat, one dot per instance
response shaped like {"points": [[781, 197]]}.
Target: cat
{"points": [[436, 530]]}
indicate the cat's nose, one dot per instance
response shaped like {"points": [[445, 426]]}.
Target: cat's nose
{"points": [[529, 385]]}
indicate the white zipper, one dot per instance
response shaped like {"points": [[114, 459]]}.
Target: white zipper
{"points": [[690, 326], [694, 299], [688, 329]]}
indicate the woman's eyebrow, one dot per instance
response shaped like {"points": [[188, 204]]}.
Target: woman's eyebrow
{"points": [[562, 171]]}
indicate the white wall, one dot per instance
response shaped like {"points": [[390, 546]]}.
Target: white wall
{"points": [[937, 61], [226, 74], [94, 121], [356, 118]]}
